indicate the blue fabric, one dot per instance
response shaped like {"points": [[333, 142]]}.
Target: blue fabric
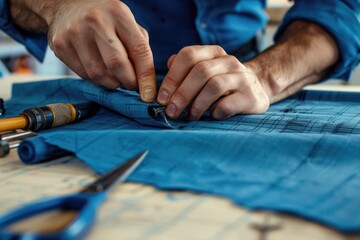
{"points": [[301, 156], [227, 23], [341, 19]]}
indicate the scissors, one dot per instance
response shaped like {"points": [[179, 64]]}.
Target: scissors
{"points": [[76, 212]]}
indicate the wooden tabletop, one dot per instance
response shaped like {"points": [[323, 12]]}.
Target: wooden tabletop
{"points": [[136, 211]]}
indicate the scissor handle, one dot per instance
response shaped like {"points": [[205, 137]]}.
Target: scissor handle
{"points": [[84, 204]]}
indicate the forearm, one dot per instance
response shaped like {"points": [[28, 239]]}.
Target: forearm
{"points": [[303, 55]]}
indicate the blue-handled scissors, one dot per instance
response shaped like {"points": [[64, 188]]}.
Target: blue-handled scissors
{"points": [[81, 205]]}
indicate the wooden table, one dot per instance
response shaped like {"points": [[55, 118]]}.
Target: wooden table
{"points": [[136, 211]]}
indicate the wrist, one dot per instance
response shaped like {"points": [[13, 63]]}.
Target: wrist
{"points": [[302, 56], [270, 72], [29, 15], [35, 15]]}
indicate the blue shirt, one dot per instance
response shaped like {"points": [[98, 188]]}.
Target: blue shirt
{"points": [[228, 23]]}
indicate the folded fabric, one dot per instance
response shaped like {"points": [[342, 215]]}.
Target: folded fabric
{"points": [[301, 156]]}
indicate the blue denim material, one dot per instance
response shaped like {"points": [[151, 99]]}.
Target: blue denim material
{"points": [[302, 156]]}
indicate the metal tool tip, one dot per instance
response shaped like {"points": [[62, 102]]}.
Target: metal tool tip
{"points": [[142, 155]]}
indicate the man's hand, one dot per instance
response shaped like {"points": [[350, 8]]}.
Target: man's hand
{"points": [[98, 39], [200, 76]]}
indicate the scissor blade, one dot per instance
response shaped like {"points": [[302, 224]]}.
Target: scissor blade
{"points": [[117, 175]]}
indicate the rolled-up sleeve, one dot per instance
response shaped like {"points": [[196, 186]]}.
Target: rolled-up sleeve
{"points": [[36, 44], [341, 18]]}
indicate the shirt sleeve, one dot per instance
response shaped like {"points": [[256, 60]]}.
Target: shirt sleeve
{"points": [[36, 44], [341, 18]]}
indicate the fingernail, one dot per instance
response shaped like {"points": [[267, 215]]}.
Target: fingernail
{"points": [[171, 110], [148, 94], [163, 97]]}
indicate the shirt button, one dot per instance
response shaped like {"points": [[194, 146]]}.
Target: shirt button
{"points": [[203, 26]]}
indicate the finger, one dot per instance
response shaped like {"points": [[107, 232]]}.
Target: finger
{"points": [[91, 60], [181, 66], [216, 87], [139, 50], [197, 78], [144, 32], [171, 60], [230, 105], [68, 55], [241, 102], [142, 58], [116, 59]]}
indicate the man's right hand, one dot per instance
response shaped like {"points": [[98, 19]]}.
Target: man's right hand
{"points": [[99, 40]]}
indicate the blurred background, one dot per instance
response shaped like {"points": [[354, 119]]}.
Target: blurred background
{"points": [[15, 59]]}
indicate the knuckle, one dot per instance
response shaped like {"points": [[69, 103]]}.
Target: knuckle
{"points": [[218, 49], [188, 53], [146, 74], [216, 85], [196, 111], [58, 45], [203, 70], [146, 35], [259, 104], [92, 16], [224, 109], [141, 48], [81, 73], [121, 12], [171, 81], [94, 72], [114, 62], [233, 61], [180, 97], [119, 8], [130, 84], [144, 32], [72, 30], [79, 70]]}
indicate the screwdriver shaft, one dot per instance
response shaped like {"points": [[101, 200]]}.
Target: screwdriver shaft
{"points": [[8, 124], [18, 136]]}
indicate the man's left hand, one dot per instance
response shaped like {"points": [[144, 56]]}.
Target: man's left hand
{"points": [[204, 76]]}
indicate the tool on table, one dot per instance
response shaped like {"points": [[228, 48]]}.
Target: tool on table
{"points": [[37, 150], [76, 211], [2, 107], [49, 116]]}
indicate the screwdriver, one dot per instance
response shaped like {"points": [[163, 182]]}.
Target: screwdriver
{"points": [[49, 116]]}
